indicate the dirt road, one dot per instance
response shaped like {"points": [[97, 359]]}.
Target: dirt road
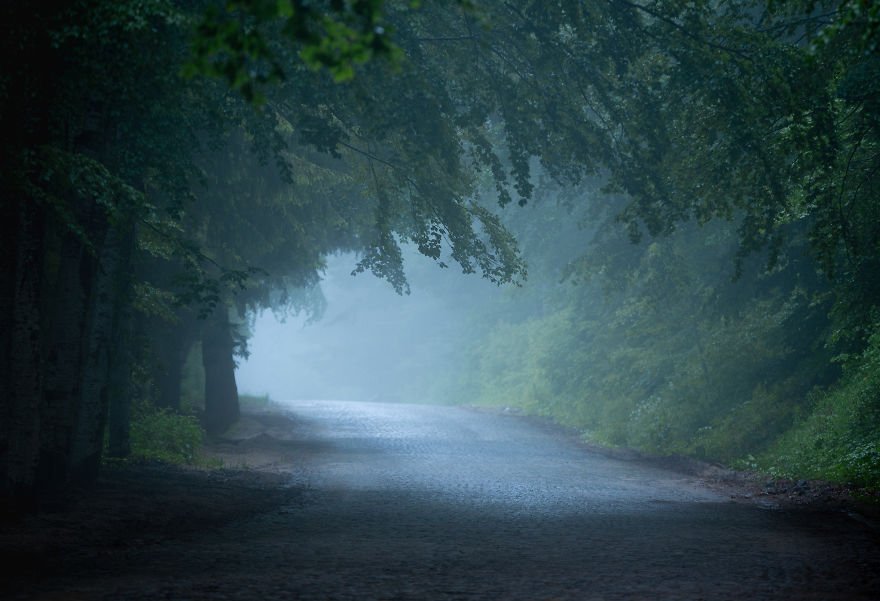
{"points": [[391, 502]]}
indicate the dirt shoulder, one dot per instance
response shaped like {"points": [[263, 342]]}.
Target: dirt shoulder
{"points": [[132, 506], [137, 505]]}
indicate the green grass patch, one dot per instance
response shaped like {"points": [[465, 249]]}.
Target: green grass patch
{"points": [[251, 400]]}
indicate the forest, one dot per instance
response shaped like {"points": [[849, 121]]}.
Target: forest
{"points": [[679, 200]]}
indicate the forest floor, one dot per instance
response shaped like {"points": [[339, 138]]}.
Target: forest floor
{"points": [[275, 526]]}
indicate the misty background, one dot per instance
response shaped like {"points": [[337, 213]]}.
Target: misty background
{"points": [[431, 345], [370, 343]]}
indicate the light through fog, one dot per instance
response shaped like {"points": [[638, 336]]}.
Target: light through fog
{"points": [[371, 343]]}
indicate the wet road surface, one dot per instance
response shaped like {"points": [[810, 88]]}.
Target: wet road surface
{"points": [[421, 502], [394, 502]]}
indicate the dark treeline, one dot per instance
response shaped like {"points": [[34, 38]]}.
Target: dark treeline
{"points": [[169, 165]]}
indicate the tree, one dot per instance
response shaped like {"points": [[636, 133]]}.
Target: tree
{"points": [[74, 158], [101, 150]]}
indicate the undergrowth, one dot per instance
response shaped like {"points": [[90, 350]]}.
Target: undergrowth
{"points": [[160, 434], [748, 406], [839, 439]]}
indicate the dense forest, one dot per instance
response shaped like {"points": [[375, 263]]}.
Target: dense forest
{"points": [[687, 193]]}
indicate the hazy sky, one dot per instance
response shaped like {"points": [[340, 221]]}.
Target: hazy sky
{"points": [[371, 344]]}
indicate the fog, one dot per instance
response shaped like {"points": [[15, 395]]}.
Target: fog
{"points": [[371, 343]]}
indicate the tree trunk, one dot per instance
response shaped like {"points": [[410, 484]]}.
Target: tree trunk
{"points": [[119, 383], [69, 276], [171, 342], [8, 260], [221, 393], [22, 365], [108, 305], [168, 379]]}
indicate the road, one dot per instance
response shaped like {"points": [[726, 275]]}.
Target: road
{"points": [[409, 502]]}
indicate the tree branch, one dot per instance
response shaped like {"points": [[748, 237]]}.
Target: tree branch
{"points": [[684, 30], [454, 38]]}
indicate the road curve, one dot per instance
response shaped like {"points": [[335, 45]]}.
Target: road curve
{"points": [[395, 502], [424, 502]]}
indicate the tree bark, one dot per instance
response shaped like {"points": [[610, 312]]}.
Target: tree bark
{"points": [[171, 343], [8, 260], [26, 128], [70, 275], [221, 393], [22, 366], [109, 302], [119, 382]]}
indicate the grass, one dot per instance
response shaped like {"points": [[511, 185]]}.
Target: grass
{"points": [[250, 400]]}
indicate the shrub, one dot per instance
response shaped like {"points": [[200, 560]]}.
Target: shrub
{"points": [[161, 434], [839, 440]]}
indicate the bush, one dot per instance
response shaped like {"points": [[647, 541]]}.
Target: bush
{"points": [[747, 428], [161, 434], [839, 440]]}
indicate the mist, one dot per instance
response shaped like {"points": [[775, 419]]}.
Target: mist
{"points": [[370, 344]]}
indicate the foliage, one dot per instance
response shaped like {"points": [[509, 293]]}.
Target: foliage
{"points": [[720, 131], [659, 349], [230, 40], [163, 435], [860, 15], [837, 438]]}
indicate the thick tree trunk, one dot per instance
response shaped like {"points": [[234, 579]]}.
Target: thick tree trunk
{"points": [[22, 365], [119, 383], [171, 342], [70, 276], [8, 259], [170, 374], [26, 129], [109, 303], [119, 426], [221, 393]]}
